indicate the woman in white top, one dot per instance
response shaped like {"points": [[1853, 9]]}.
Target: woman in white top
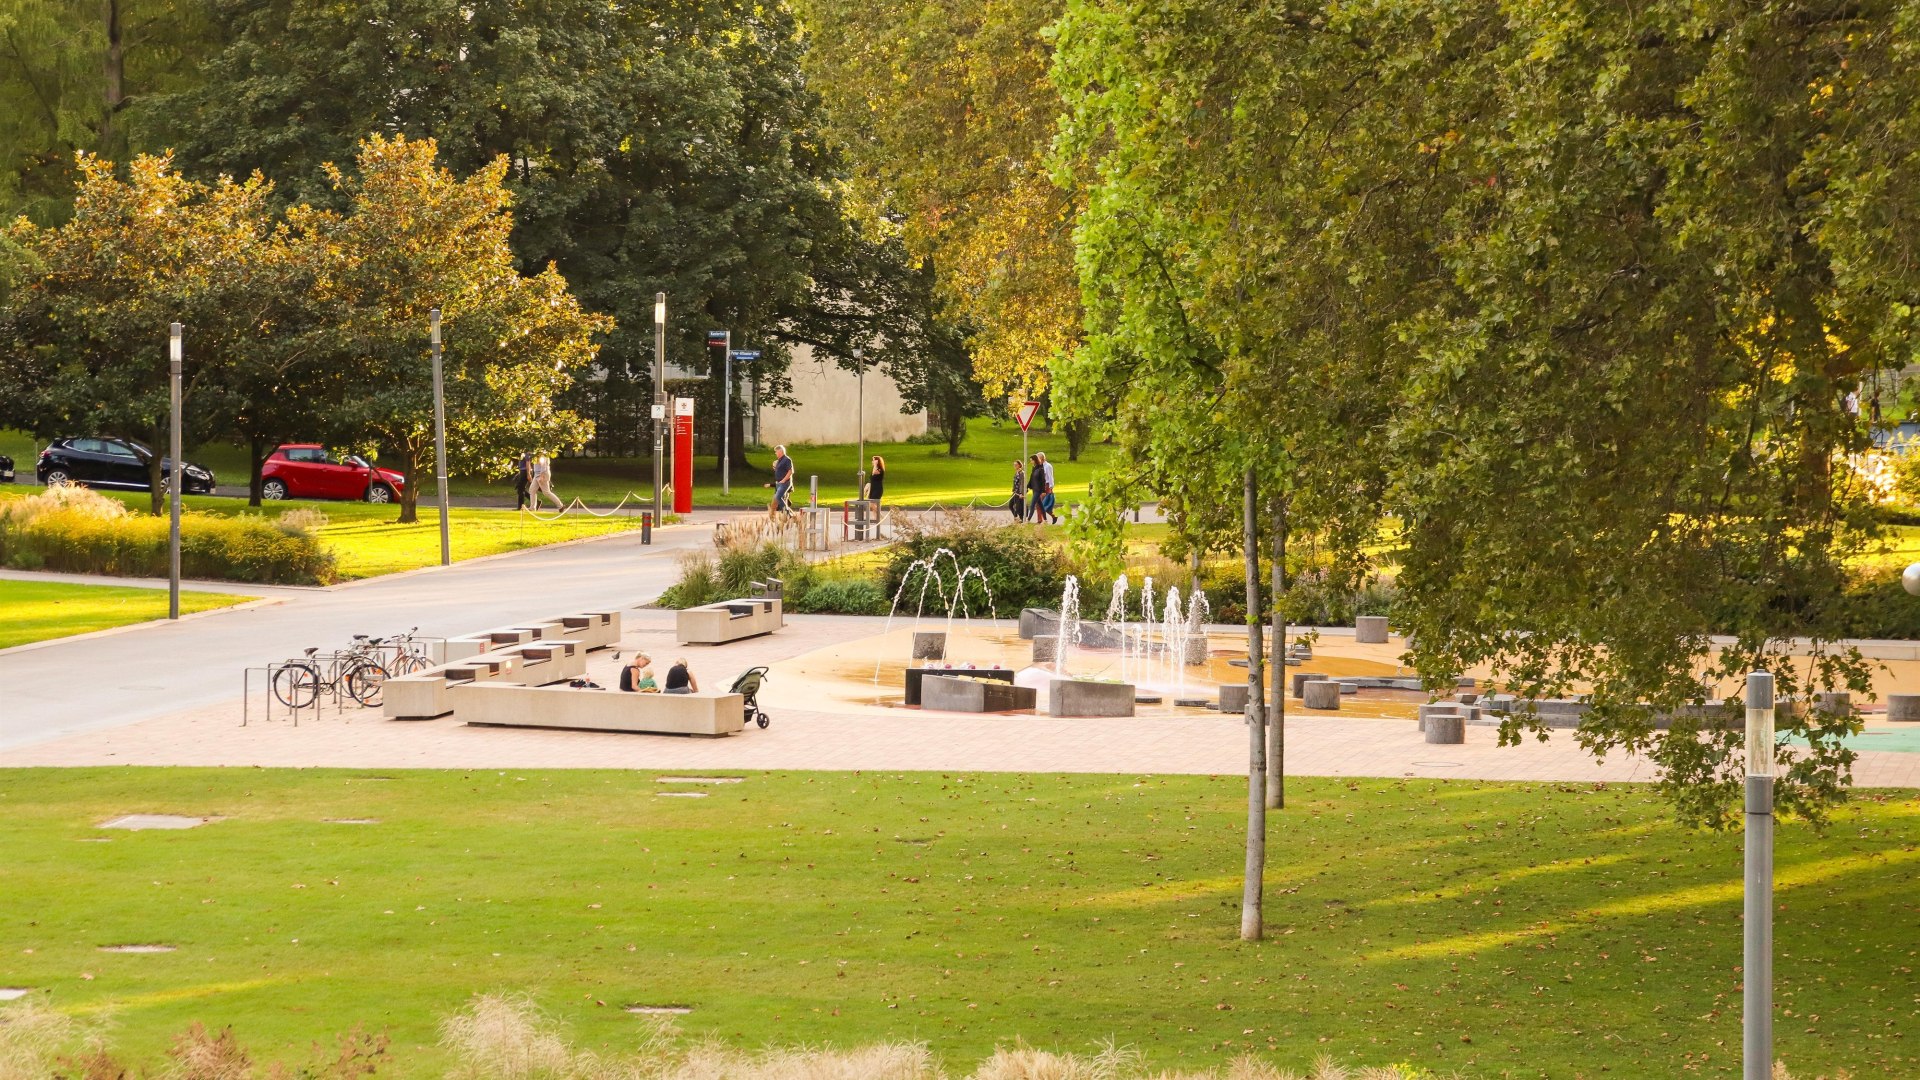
{"points": [[543, 482]]}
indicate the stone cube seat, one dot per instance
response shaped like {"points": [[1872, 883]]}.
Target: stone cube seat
{"points": [[729, 620]]}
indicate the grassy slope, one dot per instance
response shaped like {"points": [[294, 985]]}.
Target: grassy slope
{"points": [[1492, 929], [367, 542], [38, 610], [917, 474]]}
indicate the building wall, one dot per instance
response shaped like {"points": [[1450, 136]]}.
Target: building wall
{"points": [[829, 410]]}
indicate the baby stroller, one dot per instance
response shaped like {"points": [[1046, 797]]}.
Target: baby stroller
{"points": [[748, 684]]}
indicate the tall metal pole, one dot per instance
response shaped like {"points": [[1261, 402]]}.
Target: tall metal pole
{"points": [[726, 420], [174, 356], [1757, 971], [440, 439], [860, 471], [659, 398]]}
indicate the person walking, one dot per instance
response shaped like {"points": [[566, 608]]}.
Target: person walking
{"points": [[782, 483], [522, 481], [543, 482], [1036, 481], [1046, 489], [1018, 504]]}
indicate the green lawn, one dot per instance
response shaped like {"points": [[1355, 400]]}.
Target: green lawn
{"points": [[1490, 929], [38, 610]]}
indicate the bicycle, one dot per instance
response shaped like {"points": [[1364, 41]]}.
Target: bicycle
{"points": [[298, 683], [409, 655]]}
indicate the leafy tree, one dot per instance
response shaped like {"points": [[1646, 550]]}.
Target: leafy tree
{"points": [[933, 363], [947, 114], [651, 147], [136, 255], [415, 237]]}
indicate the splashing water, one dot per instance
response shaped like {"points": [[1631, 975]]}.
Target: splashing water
{"points": [[1067, 631], [1116, 622]]}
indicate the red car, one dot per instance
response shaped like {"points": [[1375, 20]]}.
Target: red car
{"points": [[308, 471]]}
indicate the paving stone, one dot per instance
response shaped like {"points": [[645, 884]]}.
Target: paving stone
{"points": [[155, 821]]}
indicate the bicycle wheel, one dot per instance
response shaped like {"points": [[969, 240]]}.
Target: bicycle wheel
{"points": [[296, 685], [407, 663], [364, 679]]}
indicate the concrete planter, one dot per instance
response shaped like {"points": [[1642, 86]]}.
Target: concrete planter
{"points": [[951, 693], [1903, 706], [1370, 629], [1320, 694], [1427, 712], [1233, 697], [915, 676], [1044, 648], [930, 645], [1036, 621], [1301, 678], [1446, 730], [1078, 697]]}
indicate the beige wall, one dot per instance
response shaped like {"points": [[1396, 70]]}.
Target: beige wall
{"points": [[829, 408]]}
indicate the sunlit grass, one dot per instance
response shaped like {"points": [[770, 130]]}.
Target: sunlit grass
{"points": [[39, 610]]}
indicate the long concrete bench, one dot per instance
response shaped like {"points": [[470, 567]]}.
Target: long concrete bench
{"points": [[546, 661], [459, 648], [729, 620], [595, 629], [422, 695], [500, 704]]}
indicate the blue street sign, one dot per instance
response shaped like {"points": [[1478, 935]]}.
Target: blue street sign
{"points": [[746, 354]]}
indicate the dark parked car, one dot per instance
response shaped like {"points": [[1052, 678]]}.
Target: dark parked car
{"points": [[114, 463], [308, 471], [6, 469]]}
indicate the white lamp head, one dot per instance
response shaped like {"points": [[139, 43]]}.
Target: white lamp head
{"points": [[173, 342], [1910, 579], [659, 309], [433, 325], [1760, 724]]}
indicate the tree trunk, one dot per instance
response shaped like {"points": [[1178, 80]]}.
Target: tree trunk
{"points": [[1078, 432], [114, 68], [1251, 920], [953, 424], [156, 476], [257, 451], [410, 495], [1277, 715]]}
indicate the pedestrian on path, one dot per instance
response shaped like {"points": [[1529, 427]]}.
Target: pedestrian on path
{"points": [[1018, 504], [782, 483], [522, 481], [1046, 489], [877, 480], [543, 482], [1036, 481]]}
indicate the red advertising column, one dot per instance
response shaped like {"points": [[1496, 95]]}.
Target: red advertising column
{"points": [[682, 455]]}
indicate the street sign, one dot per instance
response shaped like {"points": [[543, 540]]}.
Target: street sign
{"points": [[659, 412], [1025, 413], [716, 339], [746, 355], [683, 406]]}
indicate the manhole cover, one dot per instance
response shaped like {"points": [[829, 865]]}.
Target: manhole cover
{"points": [[681, 794], [1437, 764], [137, 948], [353, 821], [154, 821], [698, 779], [8, 993], [660, 1010]]}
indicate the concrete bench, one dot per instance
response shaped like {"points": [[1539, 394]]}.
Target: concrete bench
{"points": [[594, 629], [501, 704], [546, 661], [729, 620], [422, 695], [459, 648]]}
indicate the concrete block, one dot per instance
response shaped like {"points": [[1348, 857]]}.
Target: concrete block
{"points": [[1301, 678], [728, 620], [500, 704], [1044, 648], [1903, 706], [1446, 729], [1441, 708], [1233, 697], [1320, 694], [1036, 621], [954, 693], [1370, 630], [1082, 697], [930, 645], [1837, 702]]}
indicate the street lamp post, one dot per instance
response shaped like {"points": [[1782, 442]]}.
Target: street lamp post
{"points": [[726, 417], [174, 356], [1757, 971], [659, 397], [860, 471], [440, 437]]}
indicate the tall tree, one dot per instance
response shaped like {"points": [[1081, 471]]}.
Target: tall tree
{"points": [[415, 237], [948, 114]]}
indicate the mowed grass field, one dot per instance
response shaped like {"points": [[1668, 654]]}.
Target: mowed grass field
{"points": [[38, 610], [1492, 930]]}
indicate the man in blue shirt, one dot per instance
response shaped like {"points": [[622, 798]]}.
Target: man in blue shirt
{"points": [[782, 480]]}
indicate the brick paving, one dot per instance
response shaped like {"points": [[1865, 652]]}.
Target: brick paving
{"points": [[815, 729]]}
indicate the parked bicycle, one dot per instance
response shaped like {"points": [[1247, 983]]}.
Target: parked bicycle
{"points": [[409, 655], [355, 670]]}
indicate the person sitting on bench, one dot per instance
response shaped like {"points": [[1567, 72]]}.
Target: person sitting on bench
{"points": [[680, 680]]}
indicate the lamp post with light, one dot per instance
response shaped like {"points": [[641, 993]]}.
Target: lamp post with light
{"points": [[175, 353], [659, 397], [440, 437], [860, 470], [1757, 970]]}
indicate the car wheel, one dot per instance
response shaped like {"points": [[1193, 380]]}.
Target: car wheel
{"points": [[58, 477], [273, 490], [379, 493]]}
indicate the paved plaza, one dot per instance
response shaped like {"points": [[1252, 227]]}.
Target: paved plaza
{"points": [[815, 729]]}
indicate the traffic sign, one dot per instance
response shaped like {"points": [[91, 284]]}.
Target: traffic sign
{"points": [[1025, 413], [745, 355], [717, 339]]}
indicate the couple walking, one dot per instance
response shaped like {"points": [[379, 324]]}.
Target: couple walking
{"points": [[1033, 490], [533, 478]]}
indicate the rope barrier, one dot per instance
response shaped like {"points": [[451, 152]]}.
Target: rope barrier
{"points": [[576, 504]]}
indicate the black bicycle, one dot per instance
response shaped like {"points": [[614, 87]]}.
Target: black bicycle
{"points": [[298, 683]]}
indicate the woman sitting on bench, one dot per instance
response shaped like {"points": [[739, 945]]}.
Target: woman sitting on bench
{"points": [[680, 680], [638, 675]]}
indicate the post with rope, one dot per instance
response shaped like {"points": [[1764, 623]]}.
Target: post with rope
{"points": [[659, 406]]}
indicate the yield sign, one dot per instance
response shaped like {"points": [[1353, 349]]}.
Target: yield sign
{"points": [[1025, 413]]}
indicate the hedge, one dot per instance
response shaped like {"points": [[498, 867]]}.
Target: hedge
{"points": [[248, 549]]}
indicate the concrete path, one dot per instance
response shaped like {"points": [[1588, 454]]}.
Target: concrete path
{"points": [[110, 680]]}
